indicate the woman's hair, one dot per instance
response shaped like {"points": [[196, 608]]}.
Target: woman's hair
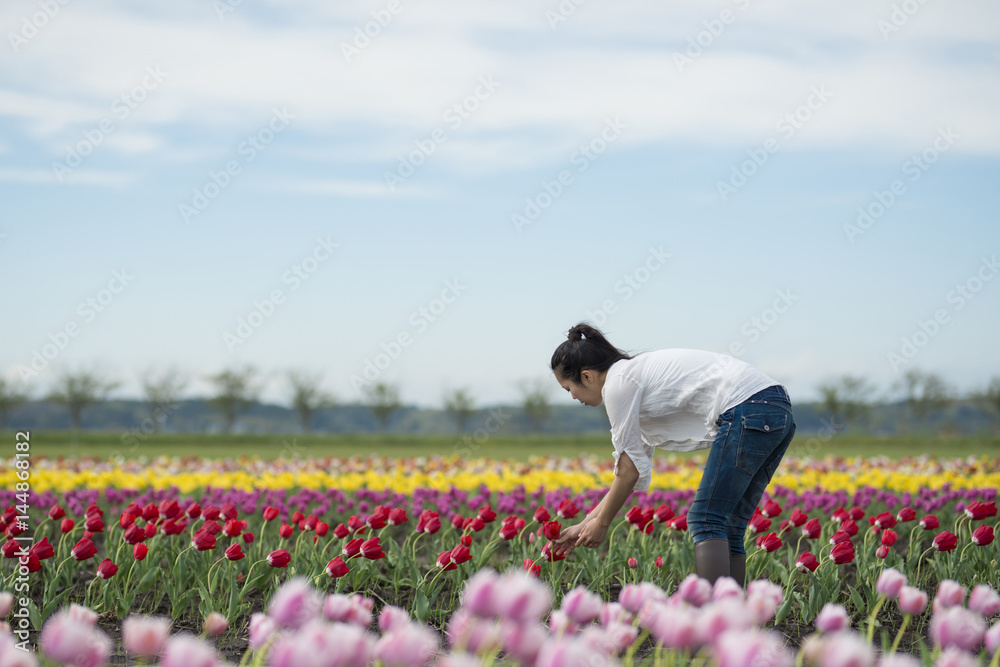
{"points": [[586, 348]]}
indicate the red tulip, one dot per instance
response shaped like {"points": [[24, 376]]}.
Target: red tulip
{"points": [[840, 537], [885, 520], [929, 522], [150, 512], [352, 548], [798, 517], [811, 529], [341, 531], [633, 563], [43, 549], [882, 552], [170, 509], [371, 549], [285, 531], [550, 555], [210, 526], [976, 510], [541, 514], [233, 528], [945, 541], [906, 514], [106, 569], [397, 516], [806, 562], [234, 551], [856, 514], [444, 561], [771, 509], [337, 568], [11, 548], [94, 524], [309, 523], [378, 519], [679, 522], [840, 515], [83, 549], [849, 527], [982, 535], [279, 558], [203, 541], [322, 528], [842, 552], [551, 530], [228, 512], [567, 509], [663, 513], [466, 540], [134, 534], [356, 525], [650, 527], [759, 524], [270, 513], [771, 542], [461, 554], [93, 509], [457, 521], [297, 516], [193, 511], [473, 523], [888, 538], [150, 529], [531, 567], [56, 512], [510, 527], [487, 514], [34, 563], [126, 520], [170, 527], [428, 522], [139, 551], [87, 535], [659, 561]]}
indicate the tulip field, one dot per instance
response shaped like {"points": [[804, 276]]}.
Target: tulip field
{"points": [[448, 561]]}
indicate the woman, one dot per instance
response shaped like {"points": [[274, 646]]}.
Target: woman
{"points": [[681, 400]]}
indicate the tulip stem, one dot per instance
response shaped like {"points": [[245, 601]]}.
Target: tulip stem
{"points": [[920, 562], [871, 619], [899, 635]]}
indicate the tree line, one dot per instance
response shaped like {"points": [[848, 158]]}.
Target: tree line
{"points": [[846, 400]]}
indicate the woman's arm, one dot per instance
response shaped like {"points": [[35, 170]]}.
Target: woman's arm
{"points": [[596, 528]]}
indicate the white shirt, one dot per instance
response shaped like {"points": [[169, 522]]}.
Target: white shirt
{"points": [[670, 399]]}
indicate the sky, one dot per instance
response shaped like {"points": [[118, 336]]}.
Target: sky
{"points": [[435, 192]]}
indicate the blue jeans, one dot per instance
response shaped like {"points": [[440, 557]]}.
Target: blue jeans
{"points": [[752, 438]]}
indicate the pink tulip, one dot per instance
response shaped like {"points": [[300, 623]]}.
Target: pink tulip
{"points": [[984, 600], [726, 587], [633, 596], [215, 624], [957, 626], [846, 649], [294, 603], [186, 650], [724, 615], [912, 600], [392, 617], [694, 590], [84, 615], [564, 653], [522, 597], [67, 640], [262, 627], [763, 598], [479, 594], [673, 625], [459, 660], [614, 612], [992, 638], [899, 660], [749, 648], [953, 657], [409, 646], [145, 636], [318, 643], [10, 655], [950, 593], [523, 640], [473, 634], [890, 582], [831, 618], [347, 609], [581, 605]]}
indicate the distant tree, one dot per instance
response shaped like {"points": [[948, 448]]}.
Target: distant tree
{"points": [[847, 398], [925, 394], [307, 397], [536, 404], [382, 399], [161, 392], [11, 396], [236, 391], [988, 400], [77, 390], [459, 405]]}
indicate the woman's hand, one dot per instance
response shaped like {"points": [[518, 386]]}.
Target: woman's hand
{"points": [[593, 534], [566, 541]]}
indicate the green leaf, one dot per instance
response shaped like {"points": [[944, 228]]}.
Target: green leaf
{"points": [[421, 606], [783, 609], [34, 616]]}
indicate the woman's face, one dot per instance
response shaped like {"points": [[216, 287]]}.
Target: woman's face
{"points": [[587, 391]]}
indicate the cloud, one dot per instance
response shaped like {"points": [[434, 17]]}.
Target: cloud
{"points": [[45, 176], [344, 188]]}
